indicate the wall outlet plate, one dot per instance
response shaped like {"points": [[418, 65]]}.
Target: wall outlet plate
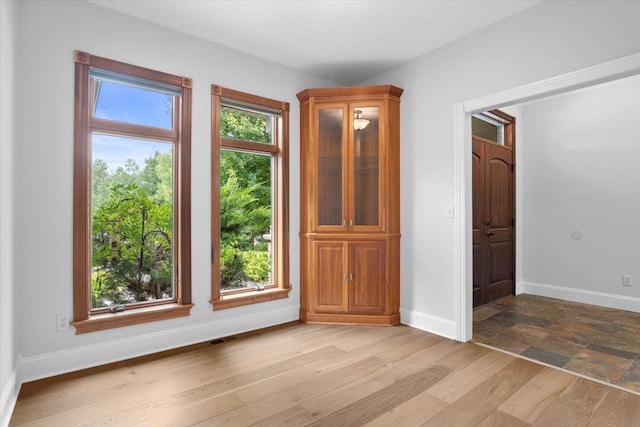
{"points": [[626, 280], [62, 322]]}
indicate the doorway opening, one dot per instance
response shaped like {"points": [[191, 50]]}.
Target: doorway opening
{"points": [[493, 187], [614, 70]]}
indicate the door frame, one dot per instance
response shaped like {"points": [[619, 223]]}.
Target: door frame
{"points": [[602, 73]]}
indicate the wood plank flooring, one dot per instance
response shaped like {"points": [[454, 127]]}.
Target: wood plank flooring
{"points": [[325, 375]]}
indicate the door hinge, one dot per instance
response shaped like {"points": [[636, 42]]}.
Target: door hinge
{"points": [[513, 222], [513, 167]]}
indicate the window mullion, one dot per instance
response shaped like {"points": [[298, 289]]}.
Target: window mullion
{"points": [[236, 144], [132, 130]]}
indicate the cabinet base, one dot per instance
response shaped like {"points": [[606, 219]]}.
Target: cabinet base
{"points": [[351, 319]]}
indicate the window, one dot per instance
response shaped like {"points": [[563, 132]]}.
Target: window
{"points": [[493, 126], [131, 195], [250, 211]]}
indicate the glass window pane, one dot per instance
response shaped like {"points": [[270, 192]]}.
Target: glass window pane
{"points": [[246, 218], [246, 125], [132, 104], [330, 166], [367, 166], [132, 220], [486, 128]]}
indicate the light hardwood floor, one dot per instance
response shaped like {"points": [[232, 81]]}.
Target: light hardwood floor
{"points": [[326, 375]]}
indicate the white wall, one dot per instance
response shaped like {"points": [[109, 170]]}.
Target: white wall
{"points": [[546, 40], [581, 173], [8, 17], [48, 33]]}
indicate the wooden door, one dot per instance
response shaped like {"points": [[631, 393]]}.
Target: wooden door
{"points": [[330, 276], [367, 278], [493, 221]]}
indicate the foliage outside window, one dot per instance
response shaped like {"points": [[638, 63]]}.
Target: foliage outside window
{"points": [[131, 194], [249, 200], [245, 220], [132, 224]]}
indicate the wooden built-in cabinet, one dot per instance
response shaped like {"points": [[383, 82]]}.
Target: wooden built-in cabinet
{"points": [[350, 205]]}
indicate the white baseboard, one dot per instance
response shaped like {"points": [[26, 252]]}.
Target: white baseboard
{"points": [[60, 362], [620, 302], [426, 322], [8, 399]]}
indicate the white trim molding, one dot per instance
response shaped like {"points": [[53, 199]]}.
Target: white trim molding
{"points": [[602, 299], [60, 362], [463, 236], [426, 322], [8, 399], [609, 71]]}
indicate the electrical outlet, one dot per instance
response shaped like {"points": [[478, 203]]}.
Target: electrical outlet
{"points": [[626, 280], [62, 322]]}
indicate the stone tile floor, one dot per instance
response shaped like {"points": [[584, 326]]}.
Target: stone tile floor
{"points": [[599, 342]]}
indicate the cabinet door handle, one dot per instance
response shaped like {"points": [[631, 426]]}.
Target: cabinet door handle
{"points": [[344, 276], [351, 277], [344, 222], [351, 223]]}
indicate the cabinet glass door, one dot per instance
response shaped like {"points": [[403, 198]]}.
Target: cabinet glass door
{"points": [[366, 174], [330, 167]]}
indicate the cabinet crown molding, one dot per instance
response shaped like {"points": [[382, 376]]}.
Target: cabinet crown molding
{"points": [[350, 91]]}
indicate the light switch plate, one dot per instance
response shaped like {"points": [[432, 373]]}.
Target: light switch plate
{"points": [[451, 211]]}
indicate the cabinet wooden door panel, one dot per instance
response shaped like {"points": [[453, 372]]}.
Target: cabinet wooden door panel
{"points": [[350, 181], [367, 282], [367, 177], [331, 154], [330, 262]]}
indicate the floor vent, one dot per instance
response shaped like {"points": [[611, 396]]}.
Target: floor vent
{"points": [[225, 339]]}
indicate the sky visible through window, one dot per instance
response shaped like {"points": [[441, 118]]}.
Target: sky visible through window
{"points": [[136, 105]]}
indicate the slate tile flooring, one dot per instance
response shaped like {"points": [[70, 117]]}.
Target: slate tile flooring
{"points": [[599, 342]]}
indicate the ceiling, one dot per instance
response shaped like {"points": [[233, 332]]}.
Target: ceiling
{"points": [[344, 41]]}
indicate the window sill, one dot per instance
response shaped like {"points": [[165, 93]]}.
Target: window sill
{"points": [[246, 298], [100, 322]]}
